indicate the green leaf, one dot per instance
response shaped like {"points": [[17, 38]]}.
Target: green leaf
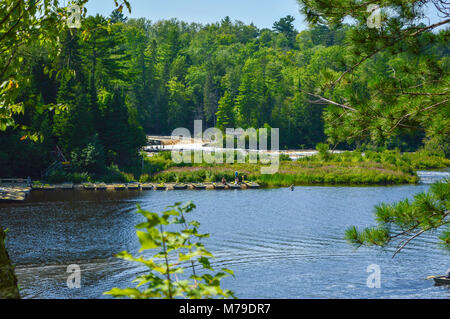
{"points": [[231, 272], [127, 292], [147, 241], [205, 263]]}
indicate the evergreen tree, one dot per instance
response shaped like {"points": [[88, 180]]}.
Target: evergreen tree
{"points": [[225, 116], [408, 78], [74, 127], [121, 138], [117, 16], [210, 100], [285, 26]]}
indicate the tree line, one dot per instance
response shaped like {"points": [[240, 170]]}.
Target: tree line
{"points": [[117, 79]]}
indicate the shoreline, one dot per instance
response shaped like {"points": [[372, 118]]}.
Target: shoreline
{"points": [[386, 168], [169, 186]]}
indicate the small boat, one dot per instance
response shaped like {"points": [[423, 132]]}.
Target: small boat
{"points": [[218, 186], [251, 184], [100, 187], [234, 186], [180, 186], [199, 186], [161, 187], [441, 280], [48, 187], [133, 186], [146, 186], [119, 187], [89, 186]]}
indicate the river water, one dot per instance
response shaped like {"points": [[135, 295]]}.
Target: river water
{"points": [[280, 244]]}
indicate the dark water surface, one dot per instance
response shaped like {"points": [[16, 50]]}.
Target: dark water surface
{"points": [[280, 244]]}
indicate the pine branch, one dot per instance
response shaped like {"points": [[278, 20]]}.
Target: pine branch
{"points": [[330, 101], [408, 240], [394, 41]]}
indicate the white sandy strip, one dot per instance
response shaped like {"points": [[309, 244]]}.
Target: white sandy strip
{"points": [[203, 147]]}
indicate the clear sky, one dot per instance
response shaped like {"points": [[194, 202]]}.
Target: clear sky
{"points": [[263, 13]]}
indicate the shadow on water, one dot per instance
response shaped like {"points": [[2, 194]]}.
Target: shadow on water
{"points": [[281, 244]]}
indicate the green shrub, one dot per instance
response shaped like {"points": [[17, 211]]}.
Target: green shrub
{"points": [[56, 177], [323, 150], [80, 178], [144, 178], [114, 175], [175, 253], [90, 158]]}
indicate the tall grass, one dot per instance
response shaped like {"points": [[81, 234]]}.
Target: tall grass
{"points": [[405, 161], [347, 168], [297, 173]]}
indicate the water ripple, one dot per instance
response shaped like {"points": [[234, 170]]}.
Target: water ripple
{"points": [[280, 244]]}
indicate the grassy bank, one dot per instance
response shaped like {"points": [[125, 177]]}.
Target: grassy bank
{"points": [[405, 161], [347, 168], [297, 173]]}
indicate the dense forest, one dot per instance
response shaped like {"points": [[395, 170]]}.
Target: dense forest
{"points": [[117, 79]]}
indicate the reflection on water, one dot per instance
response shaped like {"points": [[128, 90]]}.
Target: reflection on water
{"points": [[281, 244]]}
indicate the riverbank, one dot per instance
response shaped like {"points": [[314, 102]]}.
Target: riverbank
{"points": [[324, 168], [292, 173], [8, 280]]}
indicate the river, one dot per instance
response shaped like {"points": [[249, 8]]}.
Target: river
{"points": [[280, 244]]}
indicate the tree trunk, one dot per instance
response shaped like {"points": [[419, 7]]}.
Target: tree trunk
{"points": [[8, 280]]}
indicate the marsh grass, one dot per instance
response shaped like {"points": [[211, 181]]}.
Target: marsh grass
{"points": [[293, 172], [325, 168]]}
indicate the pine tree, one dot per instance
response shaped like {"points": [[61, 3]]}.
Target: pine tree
{"points": [[210, 101], [73, 127], [225, 116], [405, 85], [120, 135], [285, 26]]}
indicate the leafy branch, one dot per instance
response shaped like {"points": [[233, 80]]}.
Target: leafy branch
{"points": [[174, 249]]}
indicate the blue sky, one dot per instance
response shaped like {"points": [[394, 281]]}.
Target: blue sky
{"points": [[263, 13]]}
